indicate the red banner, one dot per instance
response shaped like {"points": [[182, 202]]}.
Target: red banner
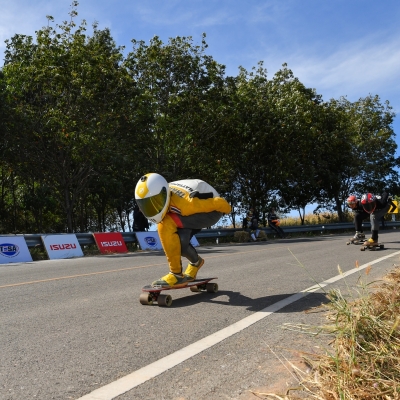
{"points": [[110, 242]]}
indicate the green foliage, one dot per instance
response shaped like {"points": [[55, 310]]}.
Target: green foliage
{"points": [[180, 89], [73, 105]]}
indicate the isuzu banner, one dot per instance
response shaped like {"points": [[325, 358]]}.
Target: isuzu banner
{"points": [[13, 249], [62, 246], [151, 240], [110, 242]]}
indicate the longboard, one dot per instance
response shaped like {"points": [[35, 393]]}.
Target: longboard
{"points": [[372, 247], [151, 294]]}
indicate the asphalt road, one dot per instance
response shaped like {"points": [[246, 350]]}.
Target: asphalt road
{"points": [[69, 328]]}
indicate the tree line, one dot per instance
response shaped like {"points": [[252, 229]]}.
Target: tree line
{"points": [[81, 119]]}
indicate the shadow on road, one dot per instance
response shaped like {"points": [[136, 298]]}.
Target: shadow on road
{"points": [[236, 299]]}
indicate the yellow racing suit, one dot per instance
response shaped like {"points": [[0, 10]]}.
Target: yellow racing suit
{"points": [[194, 205]]}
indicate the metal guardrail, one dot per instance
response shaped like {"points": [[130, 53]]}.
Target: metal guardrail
{"points": [[323, 228], [33, 240]]}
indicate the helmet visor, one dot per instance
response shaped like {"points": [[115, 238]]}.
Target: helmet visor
{"points": [[151, 206]]}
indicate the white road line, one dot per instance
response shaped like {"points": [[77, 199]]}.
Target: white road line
{"points": [[128, 382]]}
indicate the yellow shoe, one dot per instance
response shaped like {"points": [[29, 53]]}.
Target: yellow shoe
{"points": [[193, 269], [370, 242], [171, 280]]}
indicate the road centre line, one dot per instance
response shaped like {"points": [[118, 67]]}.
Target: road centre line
{"points": [[136, 378], [77, 276], [108, 271]]}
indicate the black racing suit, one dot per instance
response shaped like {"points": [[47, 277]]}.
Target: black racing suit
{"points": [[359, 216], [383, 204]]}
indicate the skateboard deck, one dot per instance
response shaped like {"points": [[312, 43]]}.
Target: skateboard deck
{"points": [[372, 247], [151, 294]]}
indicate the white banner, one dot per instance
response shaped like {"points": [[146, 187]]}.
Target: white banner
{"points": [[148, 240], [151, 241], [14, 249], [62, 246]]}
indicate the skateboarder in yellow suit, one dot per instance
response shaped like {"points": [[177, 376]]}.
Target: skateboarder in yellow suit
{"points": [[181, 209]]}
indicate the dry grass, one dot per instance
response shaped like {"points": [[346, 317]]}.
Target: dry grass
{"points": [[262, 236], [323, 218], [244, 236], [241, 236], [312, 219], [363, 360]]}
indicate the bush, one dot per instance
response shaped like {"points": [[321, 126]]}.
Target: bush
{"points": [[241, 236], [262, 235]]}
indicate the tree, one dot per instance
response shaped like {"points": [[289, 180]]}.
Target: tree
{"points": [[180, 87], [276, 120], [374, 144], [355, 150], [297, 111], [72, 98]]}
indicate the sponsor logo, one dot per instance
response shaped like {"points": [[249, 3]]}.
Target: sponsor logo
{"points": [[112, 243], [67, 246], [178, 192], [151, 241], [188, 188], [9, 250]]}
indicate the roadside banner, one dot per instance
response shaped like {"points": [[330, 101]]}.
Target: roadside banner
{"points": [[151, 240], [62, 246], [110, 242], [13, 249]]}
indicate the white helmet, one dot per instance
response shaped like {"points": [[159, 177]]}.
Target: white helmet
{"points": [[152, 195]]}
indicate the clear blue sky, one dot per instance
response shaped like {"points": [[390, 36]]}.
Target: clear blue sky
{"points": [[338, 47]]}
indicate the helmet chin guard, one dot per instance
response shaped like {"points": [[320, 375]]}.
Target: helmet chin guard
{"points": [[152, 195]]}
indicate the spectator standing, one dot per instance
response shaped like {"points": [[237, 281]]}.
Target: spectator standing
{"points": [[140, 222]]}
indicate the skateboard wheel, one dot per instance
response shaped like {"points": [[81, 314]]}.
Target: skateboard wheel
{"points": [[212, 287], [362, 248], [381, 246], [146, 299], [164, 300], [195, 289]]}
